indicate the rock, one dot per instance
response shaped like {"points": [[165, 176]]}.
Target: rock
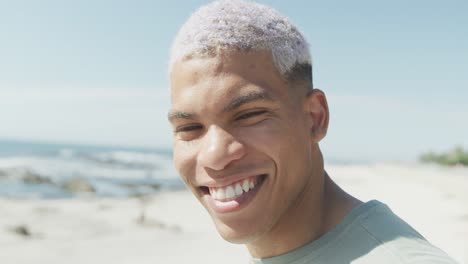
{"points": [[77, 185], [21, 230], [34, 178], [155, 186]]}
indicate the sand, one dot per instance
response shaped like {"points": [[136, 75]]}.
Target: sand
{"points": [[174, 228]]}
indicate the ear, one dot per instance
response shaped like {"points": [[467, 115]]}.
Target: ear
{"points": [[316, 108]]}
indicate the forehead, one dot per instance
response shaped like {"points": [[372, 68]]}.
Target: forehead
{"points": [[225, 76]]}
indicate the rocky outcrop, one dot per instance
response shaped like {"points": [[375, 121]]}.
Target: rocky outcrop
{"points": [[34, 178], [77, 185]]}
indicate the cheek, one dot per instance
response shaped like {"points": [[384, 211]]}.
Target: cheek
{"points": [[284, 142], [266, 137], [257, 132], [185, 160]]}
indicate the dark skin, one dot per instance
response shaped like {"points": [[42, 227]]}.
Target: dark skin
{"points": [[234, 115]]}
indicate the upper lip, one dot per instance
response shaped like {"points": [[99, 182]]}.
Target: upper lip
{"points": [[228, 180]]}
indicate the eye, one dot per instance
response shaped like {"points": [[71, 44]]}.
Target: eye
{"points": [[250, 114], [188, 132], [188, 128]]}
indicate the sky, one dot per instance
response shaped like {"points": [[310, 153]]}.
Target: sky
{"points": [[395, 72]]}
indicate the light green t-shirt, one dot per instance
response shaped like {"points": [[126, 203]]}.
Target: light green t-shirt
{"points": [[370, 233]]}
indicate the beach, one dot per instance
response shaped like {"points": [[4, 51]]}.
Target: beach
{"points": [[171, 227]]}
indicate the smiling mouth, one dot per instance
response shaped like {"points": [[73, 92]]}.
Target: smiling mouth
{"points": [[234, 190]]}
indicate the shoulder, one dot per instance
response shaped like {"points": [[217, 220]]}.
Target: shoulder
{"points": [[395, 239]]}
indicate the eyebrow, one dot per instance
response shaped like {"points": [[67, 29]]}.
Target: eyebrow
{"points": [[179, 115], [244, 99], [236, 103]]}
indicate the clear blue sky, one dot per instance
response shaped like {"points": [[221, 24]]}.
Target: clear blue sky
{"points": [[395, 72]]}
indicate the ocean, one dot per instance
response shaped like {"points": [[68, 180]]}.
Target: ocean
{"points": [[52, 171]]}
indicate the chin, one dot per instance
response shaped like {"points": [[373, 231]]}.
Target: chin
{"points": [[239, 234]]}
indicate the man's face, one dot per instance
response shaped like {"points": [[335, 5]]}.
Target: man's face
{"points": [[242, 141]]}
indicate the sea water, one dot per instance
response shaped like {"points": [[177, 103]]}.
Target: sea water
{"points": [[41, 170]]}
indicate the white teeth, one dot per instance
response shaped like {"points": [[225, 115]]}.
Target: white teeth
{"points": [[220, 194], [245, 185], [238, 189], [230, 192]]}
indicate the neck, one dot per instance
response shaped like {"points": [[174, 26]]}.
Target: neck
{"points": [[315, 213]]}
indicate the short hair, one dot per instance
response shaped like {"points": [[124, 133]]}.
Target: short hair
{"points": [[241, 25]]}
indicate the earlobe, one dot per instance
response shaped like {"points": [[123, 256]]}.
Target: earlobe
{"points": [[316, 107]]}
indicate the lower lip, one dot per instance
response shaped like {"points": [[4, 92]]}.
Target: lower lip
{"points": [[233, 205]]}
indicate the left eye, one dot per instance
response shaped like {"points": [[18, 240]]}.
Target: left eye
{"points": [[250, 114]]}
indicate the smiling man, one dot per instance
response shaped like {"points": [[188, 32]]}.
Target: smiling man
{"points": [[247, 126]]}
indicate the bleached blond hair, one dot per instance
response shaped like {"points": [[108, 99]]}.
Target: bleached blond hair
{"points": [[243, 26]]}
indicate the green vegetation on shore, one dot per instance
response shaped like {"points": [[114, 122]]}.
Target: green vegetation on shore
{"points": [[454, 157]]}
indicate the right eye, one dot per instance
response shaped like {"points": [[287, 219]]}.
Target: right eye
{"points": [[188, 128], [188, 132]]}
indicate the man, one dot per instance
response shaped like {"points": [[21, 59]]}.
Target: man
{"points": [[247, 126]]}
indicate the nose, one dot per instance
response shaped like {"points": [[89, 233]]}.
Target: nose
{"points": [[219, 149]]}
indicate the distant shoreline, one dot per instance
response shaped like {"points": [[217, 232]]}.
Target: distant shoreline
{"points": [[20, 144]]}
